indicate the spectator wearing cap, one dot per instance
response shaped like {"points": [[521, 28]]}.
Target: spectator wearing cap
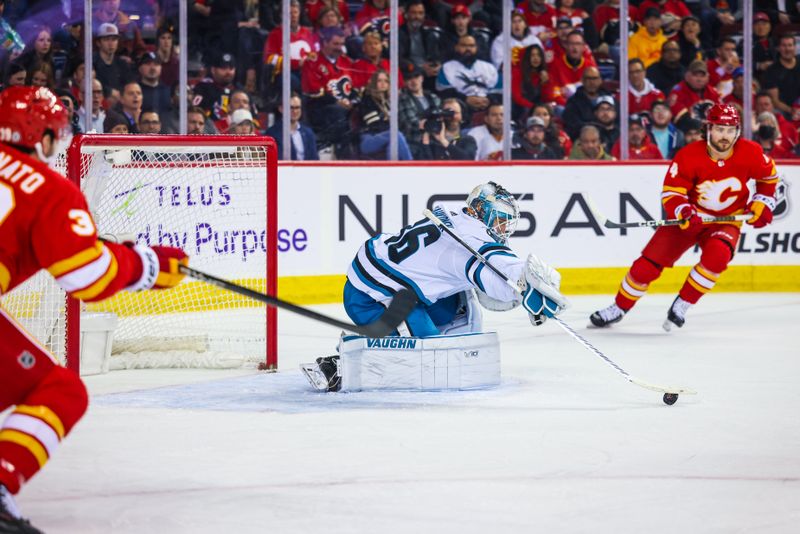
{"points": [[606, 21], [530, 81], [782, 79], [98, 114], [467, 77], [239, 99], [667, 137], [460, 25], [130, 105], [668, 71], [328, 87], [112, 71], [640, 146], [641, 91], [214, 92], [149, 122], [579, 110], [413, 104], [304, 45], [567, 69], [763, 103], [155, 95], [672, 12], [589, 146], [693, 95], [764, 50], [689, 40], [242, 123], [736, 96], [606, 121], [556, 46], [521, 38], [541, 17], [419, 43], [532, 144], [165, 50], [303, 140], [580, 19], [15, 75], [646, 43], [115, 123], [108, 12], [692, 130], [721, 67], [557, 138], [372, 60]]}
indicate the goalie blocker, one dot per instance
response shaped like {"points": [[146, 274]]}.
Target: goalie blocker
{"points": [[464, 361]]}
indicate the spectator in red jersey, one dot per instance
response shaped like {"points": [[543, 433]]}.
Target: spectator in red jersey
{"points": [[541, 17], [313, 8], [721, 67], [667, 137], [646, 43], [689, 41], [303, 42], [420, 44], [556, 46], [782, 79], [566, 71], [376, 14], [460, 20], [521, 38], [529, 81], [606, 21], [768, 135], [328, 86], [763, 104], [693, 96], [667, 72], [372, 60], [554, 135], [672, 12], [639, 144], [641, 92], [580, 106], [165, 50]]}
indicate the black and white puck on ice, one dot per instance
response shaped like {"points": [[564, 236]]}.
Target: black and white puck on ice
{"points": [[670, 398]]}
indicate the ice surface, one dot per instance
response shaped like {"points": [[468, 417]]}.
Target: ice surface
{"points": [[565, 444]]}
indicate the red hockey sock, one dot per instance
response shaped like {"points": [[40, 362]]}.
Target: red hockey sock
{"points": [[704, 275], [636, 282]]}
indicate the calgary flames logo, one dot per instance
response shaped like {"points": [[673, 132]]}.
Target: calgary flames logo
{"points": [[341, 87], [719, 195]]}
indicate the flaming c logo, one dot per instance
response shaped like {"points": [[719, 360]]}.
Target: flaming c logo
{"points": [[718, 195]]}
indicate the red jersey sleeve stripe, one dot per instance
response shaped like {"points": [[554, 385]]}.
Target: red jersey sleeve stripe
{"points": [[100, 285], [78, 260], [87, 274]]}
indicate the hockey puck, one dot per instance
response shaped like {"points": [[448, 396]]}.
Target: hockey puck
{"points": [[670, 398]]}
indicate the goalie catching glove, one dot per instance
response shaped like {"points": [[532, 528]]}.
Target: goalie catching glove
{"points": [[159, 267], [541, 296]]}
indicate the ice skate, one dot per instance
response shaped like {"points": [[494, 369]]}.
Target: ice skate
{"points": [[607, 316], [676, 315], [324, 373], [10, 520]]}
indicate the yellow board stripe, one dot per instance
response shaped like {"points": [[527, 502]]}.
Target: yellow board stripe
{"points": [[101, 284], [45, 414], [5, 278], [81, 258], [24, 440]]}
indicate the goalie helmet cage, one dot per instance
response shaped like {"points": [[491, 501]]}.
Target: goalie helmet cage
{"points": [[223, 192]]}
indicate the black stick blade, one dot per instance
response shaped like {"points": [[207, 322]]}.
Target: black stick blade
{"points": [[402, 304]]}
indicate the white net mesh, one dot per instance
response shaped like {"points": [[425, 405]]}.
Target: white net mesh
{"points": [[210, 201]]}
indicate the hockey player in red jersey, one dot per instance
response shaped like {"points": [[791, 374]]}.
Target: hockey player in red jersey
{"points": [[705, 178], [45, 224]]}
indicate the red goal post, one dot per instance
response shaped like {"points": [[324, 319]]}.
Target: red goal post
{"points": [[185, 184]]}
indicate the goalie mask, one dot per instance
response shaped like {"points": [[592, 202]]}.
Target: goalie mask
{"points": [[496, 208]]}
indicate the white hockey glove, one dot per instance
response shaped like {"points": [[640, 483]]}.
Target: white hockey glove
{"points": [[541, 297]]}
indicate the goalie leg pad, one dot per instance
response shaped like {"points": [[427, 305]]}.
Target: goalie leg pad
{"points": [[408, 363]]}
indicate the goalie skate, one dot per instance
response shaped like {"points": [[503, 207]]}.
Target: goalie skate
{"points": [[323, 375]]}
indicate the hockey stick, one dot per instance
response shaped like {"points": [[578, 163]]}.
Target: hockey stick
{"points": [[672, 390], [653, 223], [401, 305]]}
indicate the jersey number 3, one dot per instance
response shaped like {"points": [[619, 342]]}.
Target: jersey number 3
{"points": [[408, 242]]}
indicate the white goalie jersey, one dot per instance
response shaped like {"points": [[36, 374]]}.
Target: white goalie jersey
{"points": [[432, 264]]}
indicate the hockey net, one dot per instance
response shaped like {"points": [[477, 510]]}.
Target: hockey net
{"points": [[213, 196]]}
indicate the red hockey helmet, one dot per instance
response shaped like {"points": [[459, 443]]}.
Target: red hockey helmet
{"points": [[26, 113], [724, 114]]}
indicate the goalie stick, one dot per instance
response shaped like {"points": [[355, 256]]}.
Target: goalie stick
{"points": [[568, 329], [401, 305], [654, 223]]}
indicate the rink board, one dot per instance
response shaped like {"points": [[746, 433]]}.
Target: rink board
{"points": [[328, 210]]}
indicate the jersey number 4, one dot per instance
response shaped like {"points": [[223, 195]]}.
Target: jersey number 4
{"points": [[409, 241]]}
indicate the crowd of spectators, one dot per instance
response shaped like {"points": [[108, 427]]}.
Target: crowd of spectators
{"points": [[683, 56]]}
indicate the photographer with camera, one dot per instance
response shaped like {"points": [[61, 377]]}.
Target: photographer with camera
{"points": [[442, 138], [413, 104]]}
